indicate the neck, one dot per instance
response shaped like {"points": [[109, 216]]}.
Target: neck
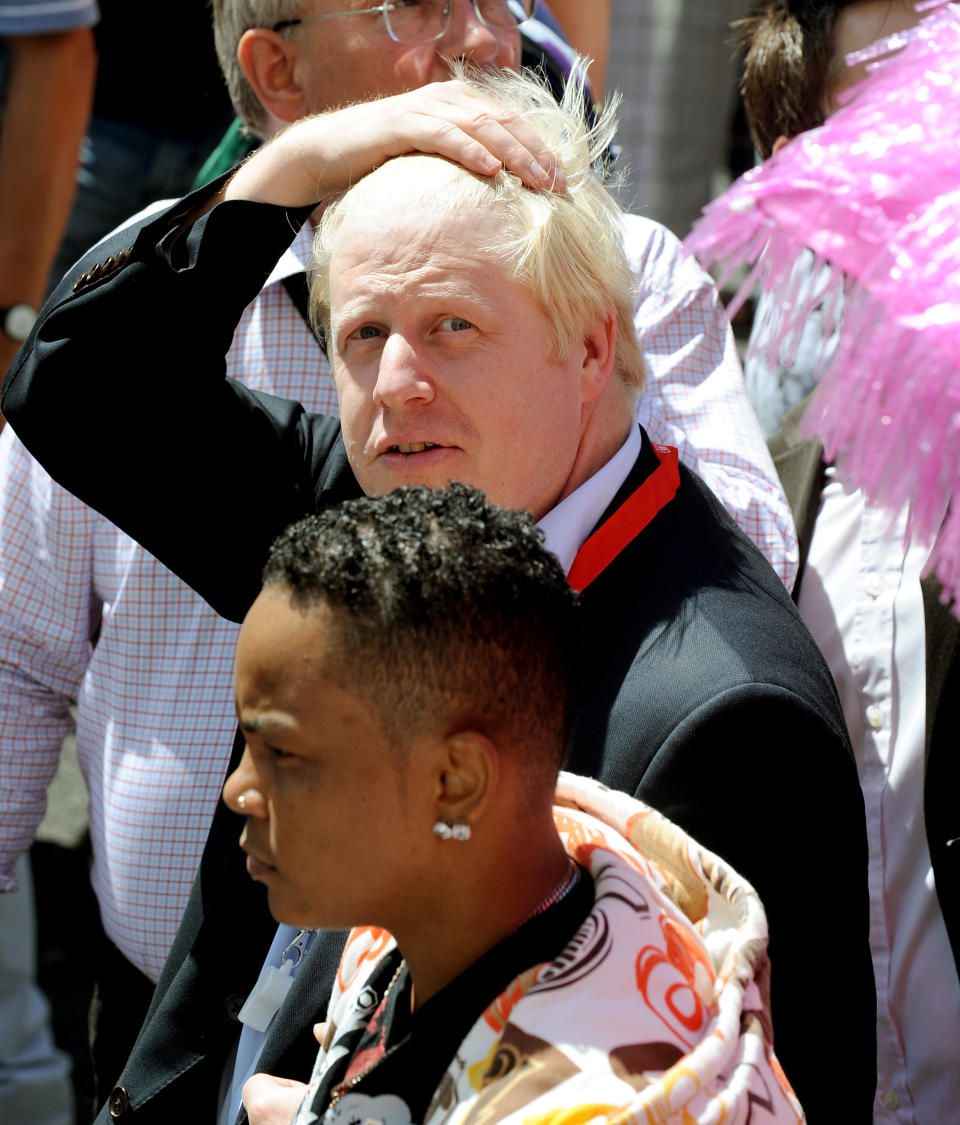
{"points": [[478, 903], [606, 424]]}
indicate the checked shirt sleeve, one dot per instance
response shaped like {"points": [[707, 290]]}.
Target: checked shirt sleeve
{"points": [[47, 615], [695, 397]]}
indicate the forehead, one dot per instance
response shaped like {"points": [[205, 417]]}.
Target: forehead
{"points": [[287, 660], [404, 231], [398, 242], [281, 648]]}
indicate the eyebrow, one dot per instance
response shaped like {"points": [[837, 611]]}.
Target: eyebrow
{"points": [[265, 724]]}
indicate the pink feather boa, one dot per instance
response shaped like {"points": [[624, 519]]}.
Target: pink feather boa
{"points": [[874, 193]]}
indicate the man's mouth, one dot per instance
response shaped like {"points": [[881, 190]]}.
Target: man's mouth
{"points": [[413, 447]]}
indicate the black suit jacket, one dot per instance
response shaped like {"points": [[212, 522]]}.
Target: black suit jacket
{"points": [[800, 464], [705, 694]]}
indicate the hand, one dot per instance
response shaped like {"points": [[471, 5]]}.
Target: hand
{"points": [[272, 1101], [319, 156]]}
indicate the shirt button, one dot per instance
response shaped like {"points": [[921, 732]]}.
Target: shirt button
{"points": [[891, 1099], [875, 716], [875, 585]]}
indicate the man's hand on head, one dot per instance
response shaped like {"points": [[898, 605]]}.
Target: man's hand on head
{"points": [[320, 156], [272, 1101]]}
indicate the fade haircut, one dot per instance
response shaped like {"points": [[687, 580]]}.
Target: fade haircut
{"points": [[565, 248], [447, 611], [231, 18], [787, 67]]}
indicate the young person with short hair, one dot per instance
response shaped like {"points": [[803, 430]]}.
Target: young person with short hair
{"points": [[406, 682]]}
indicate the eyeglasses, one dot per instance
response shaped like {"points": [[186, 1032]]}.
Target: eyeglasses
{"points": [[423, 21]]}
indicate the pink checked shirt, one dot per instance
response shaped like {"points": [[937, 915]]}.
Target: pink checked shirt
{"points": [[154, 694]]}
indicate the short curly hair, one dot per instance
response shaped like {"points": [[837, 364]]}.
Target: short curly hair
{"points": [[447, 610], [789, 51]]}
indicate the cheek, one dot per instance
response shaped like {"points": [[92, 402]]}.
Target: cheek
{"points": [[356, 404], [416, 66]]}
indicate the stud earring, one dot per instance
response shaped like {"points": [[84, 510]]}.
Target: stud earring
{"points": [[458, 830]]}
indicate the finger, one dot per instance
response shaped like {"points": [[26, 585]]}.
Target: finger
{"points": [[485, 144], [269, 1100], [320, 1032], [489, 136]]}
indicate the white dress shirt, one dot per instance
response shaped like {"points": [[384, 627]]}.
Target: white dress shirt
{"points": [[861, 599]]}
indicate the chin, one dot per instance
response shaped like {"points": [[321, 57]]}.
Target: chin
{"points": [[306, 916], [297, 914]]}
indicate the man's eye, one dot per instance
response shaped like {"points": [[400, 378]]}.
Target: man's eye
{"points": [[367, 332], [276, 752], [455, 324]]}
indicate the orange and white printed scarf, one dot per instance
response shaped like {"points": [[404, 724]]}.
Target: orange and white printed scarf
{"points": [[655, 1012]]}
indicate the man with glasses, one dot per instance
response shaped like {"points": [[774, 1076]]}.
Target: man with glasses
{"points": [[278, 74], [284, 59]]}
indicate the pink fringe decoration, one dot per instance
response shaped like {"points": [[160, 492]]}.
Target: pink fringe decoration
{"points": [[874, 192]]}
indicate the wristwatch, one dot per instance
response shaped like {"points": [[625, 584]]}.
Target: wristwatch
{"points": [[17, 320]]}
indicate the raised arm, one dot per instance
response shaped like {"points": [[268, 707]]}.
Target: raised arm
{"points": [[322, 155], [120, 392]]}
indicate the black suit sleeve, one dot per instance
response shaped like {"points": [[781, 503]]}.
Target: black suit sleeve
{"points": [[759, 777], [121, 395]]}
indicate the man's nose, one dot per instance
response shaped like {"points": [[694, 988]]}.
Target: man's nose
{"points": [[468, 38], [403, 377]]}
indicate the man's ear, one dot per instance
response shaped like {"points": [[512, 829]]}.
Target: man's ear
{"points": [[468, 778], [778, 144], [268, 60], [599, 353]]}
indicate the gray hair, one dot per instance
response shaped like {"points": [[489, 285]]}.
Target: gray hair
{"points": [[231, 18]]}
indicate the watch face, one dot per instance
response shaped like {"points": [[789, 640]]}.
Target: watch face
{"points": [[19, 320]]}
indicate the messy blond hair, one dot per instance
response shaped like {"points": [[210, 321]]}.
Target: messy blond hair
{"points": [[566, 247]]}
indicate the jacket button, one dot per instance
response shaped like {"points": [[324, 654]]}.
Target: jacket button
{"points": [[119, 1102], [232, 1006]]}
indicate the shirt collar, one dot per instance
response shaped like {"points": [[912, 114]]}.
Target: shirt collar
{"points": [[296, 257], [567, 526]]}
